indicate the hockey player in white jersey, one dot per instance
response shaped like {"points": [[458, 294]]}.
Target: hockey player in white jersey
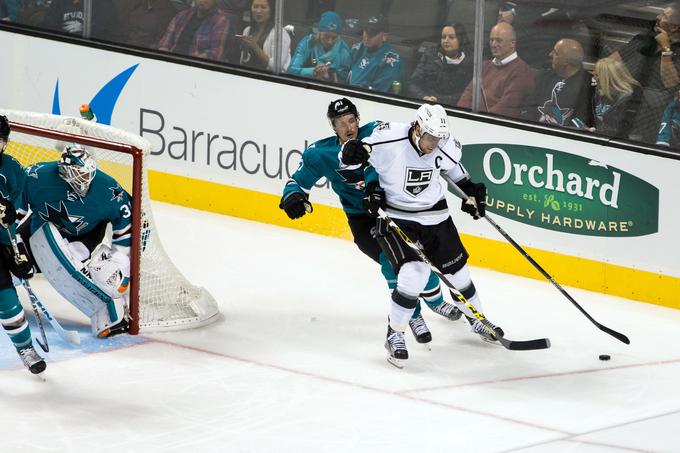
{"points": [[405, 162]]}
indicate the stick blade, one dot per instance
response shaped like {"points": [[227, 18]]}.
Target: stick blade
{"points": [[525, 345], [619, 336]]}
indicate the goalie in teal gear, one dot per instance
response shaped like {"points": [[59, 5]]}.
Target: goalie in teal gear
{"points": [[72, 203], [12, 314], [322, 159]]}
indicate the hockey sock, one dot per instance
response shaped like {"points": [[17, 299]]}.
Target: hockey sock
{"points": [[401, 309], [462, 281], [432, 295], [13, 319], [391, 279]]}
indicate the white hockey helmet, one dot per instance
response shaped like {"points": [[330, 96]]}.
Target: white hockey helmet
{"points": [[433, 120], [77, 167]]}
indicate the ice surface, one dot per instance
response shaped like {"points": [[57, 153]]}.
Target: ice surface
{"points": [[297, 364]]}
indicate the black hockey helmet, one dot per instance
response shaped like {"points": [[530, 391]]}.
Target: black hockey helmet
{"points": [[4, 133], [340, 107]]}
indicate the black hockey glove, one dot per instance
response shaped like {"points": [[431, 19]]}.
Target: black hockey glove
{"points": [[7, 213], [21, 265], [295, 205], [355, 152], [475, 205], [374, 199]]}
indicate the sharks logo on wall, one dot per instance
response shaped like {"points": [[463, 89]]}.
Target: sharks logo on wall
{"points": [[105, 100]]}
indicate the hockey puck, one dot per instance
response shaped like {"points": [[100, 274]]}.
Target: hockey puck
{"points": [[605, 357]]}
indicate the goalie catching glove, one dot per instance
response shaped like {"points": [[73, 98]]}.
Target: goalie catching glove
{"points": [[295, 205], [355, 152], [475, 205]]}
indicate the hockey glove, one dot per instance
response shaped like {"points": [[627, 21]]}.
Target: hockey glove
{"points": [[7, 213], [21, 265], [475, 205], [355, 152], [295, 205], [374, 199]]}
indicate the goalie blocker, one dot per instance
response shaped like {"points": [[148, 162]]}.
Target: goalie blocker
{"points": [[97, 286]]}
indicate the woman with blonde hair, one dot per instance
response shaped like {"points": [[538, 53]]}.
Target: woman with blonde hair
{"points": [[617, 97]]}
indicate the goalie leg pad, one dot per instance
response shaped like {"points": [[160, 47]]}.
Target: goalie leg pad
{"points": [[71, 279]]}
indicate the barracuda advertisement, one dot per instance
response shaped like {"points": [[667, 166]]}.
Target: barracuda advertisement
{"points": [[558, 191]]}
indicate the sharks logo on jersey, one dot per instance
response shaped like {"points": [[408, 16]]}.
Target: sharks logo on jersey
{"points": [[417, 180], [551, 112], [71, 224], [72, 196], [116, 193], [32, 171]]}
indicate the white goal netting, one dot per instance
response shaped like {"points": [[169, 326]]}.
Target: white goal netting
{"points": [[167, 300]]}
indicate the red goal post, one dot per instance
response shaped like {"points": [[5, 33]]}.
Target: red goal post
{"points": [[161, 298]]}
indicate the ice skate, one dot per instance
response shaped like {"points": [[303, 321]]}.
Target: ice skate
{"points": [[479, 328], [447, 310], [420, 330], [396, 347], [32, 360]]}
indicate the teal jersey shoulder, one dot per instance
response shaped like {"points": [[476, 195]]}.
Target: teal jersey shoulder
{"points": [[322, 160], [52, 200], [12, 181]]}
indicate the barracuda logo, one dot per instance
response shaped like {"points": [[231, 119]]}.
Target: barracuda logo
{"points": [[563, 192], [104, 101]]}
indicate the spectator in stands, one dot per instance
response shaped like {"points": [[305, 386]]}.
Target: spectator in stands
{"points": [[68, 16], [259, 39], [33, 13], [564, 94], [538, 24], [617, 98], [202, 31], [374, 64], [669, 130], [146, 21], [653, 59], [323, 55], [4, 11], [507, 80], [443, 72], [9, 9]]}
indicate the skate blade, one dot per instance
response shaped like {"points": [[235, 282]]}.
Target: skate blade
{"points": [[399, 363], [40, 376], [426, 346]]}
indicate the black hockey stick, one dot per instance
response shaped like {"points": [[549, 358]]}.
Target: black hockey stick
{"points": [[18, 259], [619, 336], [515, 345]]}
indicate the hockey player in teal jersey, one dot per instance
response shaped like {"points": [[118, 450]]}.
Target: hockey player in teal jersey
{"points": [[12, 317], [322, 159], [72, 202]]}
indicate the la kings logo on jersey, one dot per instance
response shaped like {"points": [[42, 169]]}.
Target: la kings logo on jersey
{"points": [[417, 180]]}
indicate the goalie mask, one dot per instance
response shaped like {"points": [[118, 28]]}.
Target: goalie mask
{"points": [[4, 133], [78, 168]]}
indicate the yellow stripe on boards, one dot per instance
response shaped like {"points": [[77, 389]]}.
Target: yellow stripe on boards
{"points": [[583, 273]]}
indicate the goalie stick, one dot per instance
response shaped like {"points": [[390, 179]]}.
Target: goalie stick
{"points": [[514, 345], [69, 336], [619, 336]]}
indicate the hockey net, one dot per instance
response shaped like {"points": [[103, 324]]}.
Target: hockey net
{"points": [[161, 298]]}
